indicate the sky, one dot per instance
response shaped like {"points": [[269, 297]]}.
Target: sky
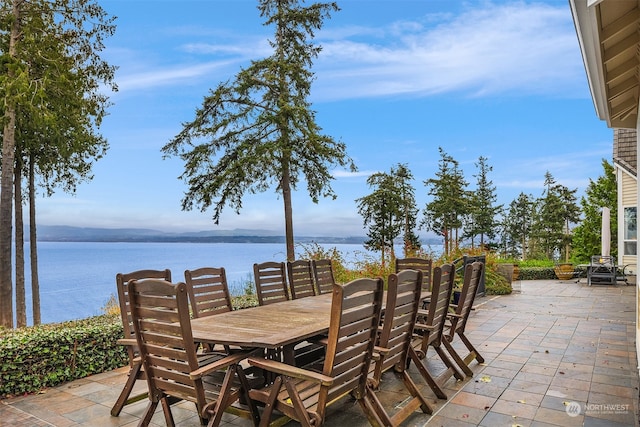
{"points": [[395, 80]]}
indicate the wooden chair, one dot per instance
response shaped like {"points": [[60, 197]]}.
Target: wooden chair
{"points": [[271, 282], [421, 264], [303, 394], [323, 275], [431, 324], [135, 364], [208, 294], [160, 313], [394, 343], [208, 291], [459, 317], [300, 275]]}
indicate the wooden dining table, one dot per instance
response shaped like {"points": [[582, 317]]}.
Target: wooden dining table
{"points": [[278, 325]]}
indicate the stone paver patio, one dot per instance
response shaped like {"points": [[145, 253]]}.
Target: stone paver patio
{"points": [[557, 354]]}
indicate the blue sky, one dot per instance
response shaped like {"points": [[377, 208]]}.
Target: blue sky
{"points": [[395, 80]]}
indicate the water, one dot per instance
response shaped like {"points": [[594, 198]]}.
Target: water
{"points": [[78, 278]]}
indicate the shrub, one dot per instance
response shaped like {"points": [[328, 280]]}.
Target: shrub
{"points": [[496, 284], [48, 355]]}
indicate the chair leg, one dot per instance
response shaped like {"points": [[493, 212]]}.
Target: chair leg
{"points": [[457, 359], [253, 409], [298, 406], [417, 396], [435, 387], [166, 409], [123, 399], [146, 419], [373, 409], [472, 350], [270, 404], [449, 363]]}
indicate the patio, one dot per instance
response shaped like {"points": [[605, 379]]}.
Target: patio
{"points": [[558, 353]]}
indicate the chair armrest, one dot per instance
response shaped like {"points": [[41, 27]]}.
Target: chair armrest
{"points": [[291, 371], [127, 342], [223, 362], [459, 316], [381, 351], [424, 327]]}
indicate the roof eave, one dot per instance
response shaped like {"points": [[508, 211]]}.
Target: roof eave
{"points": [[586, 24]]}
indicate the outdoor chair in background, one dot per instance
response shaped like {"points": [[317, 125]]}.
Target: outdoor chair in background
{"points": [[160, 313], [301, 283], [394, 344], [422, 264], [271, 282], [208, 293], [300, 275], [459, 316], [602, 270], [431, 324], [323, 275], [304, 394], [135, 365]]}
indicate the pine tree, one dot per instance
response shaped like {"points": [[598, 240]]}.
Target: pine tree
{"points": [[258, 131]]}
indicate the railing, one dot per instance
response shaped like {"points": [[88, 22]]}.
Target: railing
{"points": [[461, 264]]}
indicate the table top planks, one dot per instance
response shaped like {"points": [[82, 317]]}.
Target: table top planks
{"points": [[268, 326]]}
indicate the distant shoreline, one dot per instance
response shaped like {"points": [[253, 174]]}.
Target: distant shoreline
{"points": [[63, 233]]}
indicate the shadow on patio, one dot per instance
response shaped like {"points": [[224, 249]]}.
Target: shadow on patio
{"points": [[557, 354]]}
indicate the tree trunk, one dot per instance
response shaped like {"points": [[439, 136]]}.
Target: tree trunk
{"points": [[6, 182], [288, 213], [21, 303], [33, 247]]}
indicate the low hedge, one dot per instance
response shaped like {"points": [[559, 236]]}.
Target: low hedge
{"points": [[48, 355], [537, 273]]}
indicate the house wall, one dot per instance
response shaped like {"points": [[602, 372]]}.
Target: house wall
{"points": [[627, 196], [638, 281]]}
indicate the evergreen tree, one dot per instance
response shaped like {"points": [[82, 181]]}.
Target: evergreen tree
{"points": [[443, 214], [556, 211], [258, 130], [587, 235], [483, 213], [51, 82], [402, 177], [517, 226], [383, 213]]}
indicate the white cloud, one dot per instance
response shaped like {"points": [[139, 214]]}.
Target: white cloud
{"points": [[528, 48], [486, 50]]}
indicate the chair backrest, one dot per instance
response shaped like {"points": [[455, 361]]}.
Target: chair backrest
{"points": [[271, 282], [472, 276], [401, 308], [422, 264], [355, 316], [441, 288], [323, 275], [122, 286], [300, 275], [208, 291], [160, 312]]}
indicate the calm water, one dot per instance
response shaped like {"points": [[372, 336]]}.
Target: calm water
{"points": [[78, 278]]}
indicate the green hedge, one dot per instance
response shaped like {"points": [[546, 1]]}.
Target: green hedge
{"points": [[48, 355], [537, 273]]}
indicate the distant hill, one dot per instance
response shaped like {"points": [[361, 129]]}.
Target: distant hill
{"points": [[63, 233]]}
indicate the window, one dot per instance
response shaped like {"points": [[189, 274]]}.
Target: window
{"points": [[630, 231]]}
